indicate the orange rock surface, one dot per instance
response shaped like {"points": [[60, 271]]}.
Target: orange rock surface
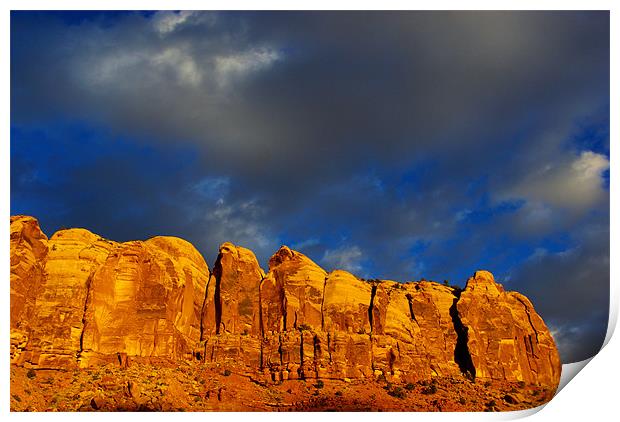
{"points": [[28, 257], [80, 300], [237, 291], [95, 300], [145, 300], [503, 327]]}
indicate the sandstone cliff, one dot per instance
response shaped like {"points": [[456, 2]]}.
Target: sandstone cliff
{"points": [[80, 300]]}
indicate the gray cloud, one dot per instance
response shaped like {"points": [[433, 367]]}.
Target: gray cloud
{"points": [[345, 258], [570, 289], [574, 185], [239, 87]]}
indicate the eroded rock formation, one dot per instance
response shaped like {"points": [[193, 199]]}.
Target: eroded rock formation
{"points": [[79, 299], [504, 327]]}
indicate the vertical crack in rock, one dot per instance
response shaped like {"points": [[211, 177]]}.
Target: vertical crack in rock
{"points": [[217, 272], [283, 306], [528, 338], [329, 347], [322, 305], [87, 300], [316, 349], [529, 317], [373, 292], [301, 355], [280, 350], [261, 362], [203, 309], [462, 356], [261, 327], [531, 349], [410, 302]]}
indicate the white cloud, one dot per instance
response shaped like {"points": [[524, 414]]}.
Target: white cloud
{"points": [[182, 64], [240, 223], [101, 70], [345, 258], [230, 67], [313, 241], [107, 70], [574, 184], [165, 22], [148, 66]]}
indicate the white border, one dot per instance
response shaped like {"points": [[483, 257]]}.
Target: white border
{"points": [[592, 395]]}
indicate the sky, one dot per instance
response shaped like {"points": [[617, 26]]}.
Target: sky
{"points": [[395, 145]]}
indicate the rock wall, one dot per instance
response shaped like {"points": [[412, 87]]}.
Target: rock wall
{"points": [[78, 299], [503, 327], [145, 300], [28, 257]]}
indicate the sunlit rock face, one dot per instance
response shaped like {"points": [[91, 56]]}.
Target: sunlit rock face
{"points": [[96, 299], [238, 278], [28, 255], [232, 313], [73, 256], [503, 327], [146, 300], [345, 304], [413, 332], [79, 299], [297, 283]]}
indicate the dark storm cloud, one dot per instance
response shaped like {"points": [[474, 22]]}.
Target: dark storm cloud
{"points": [[394, 144], [293, 93], [293, 101], [578, 279]]}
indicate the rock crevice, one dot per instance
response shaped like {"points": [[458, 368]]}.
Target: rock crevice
{"points": [[371, 305], [462, 356]]}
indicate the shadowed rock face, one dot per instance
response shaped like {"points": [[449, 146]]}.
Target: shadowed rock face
{"points": [[78, 299]]}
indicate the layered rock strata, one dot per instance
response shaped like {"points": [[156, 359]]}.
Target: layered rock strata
{"points": [[79, 299]]}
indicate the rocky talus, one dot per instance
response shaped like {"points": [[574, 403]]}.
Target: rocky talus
{"points": [[78, 300]]}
